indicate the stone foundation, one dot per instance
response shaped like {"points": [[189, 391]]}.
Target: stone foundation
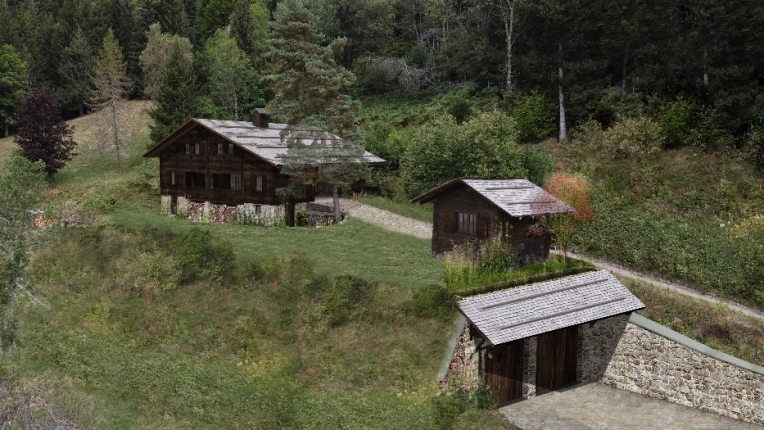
{"points": [[268, 216], [465, 369], [248, 213]]}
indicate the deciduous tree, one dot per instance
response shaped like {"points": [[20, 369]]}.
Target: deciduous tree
{"points": [[574, 191], [41, 132], [14, 81], [111, 86]]}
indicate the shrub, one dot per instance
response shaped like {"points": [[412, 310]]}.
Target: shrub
{"points": [[348, 298], [498, 256], [198, 254], [534, 116], [538, 164], [149, 273], [433, 301], [634, 137], [677, 121]]}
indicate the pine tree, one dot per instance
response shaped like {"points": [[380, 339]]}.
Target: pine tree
{"points": [[111, 86], [249, 26], [41, 132], [75, 72], [13, 83], [177, 94], [309, 92], [122, 22]]}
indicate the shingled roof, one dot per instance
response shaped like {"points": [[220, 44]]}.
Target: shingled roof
{"points": [[512, 314], [266, 143], [517, 197]]}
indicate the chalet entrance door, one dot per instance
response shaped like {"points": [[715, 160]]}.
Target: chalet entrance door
{"points": [[504, 371], [556, 359]]}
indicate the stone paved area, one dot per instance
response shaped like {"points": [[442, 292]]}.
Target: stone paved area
{"points": [[598, 406], [385, 219]]}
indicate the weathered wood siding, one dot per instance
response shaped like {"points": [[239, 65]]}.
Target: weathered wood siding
{"points": [[504, 371], [556, 359], [490, 220], [194, 172]]}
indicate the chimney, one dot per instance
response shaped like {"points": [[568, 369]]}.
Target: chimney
{"points": [[259, 118]]}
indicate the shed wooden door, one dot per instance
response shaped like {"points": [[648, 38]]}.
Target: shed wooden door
{"points": [[504, 371], [556, 359]]}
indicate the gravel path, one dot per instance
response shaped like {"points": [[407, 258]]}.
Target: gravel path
{"points": [[394, 222]]}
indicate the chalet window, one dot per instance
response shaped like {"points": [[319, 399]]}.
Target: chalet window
{"points": [[231, 148], [172, 178], [466, 223], [220, 148], [236, 182], [259, 183], [188, 148], [195, 180], [196, 148], [221, 181], [257, 209]]}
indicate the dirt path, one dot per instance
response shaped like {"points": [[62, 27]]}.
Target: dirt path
{"points": [[394, 222]]}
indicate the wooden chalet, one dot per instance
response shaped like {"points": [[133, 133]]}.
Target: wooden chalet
{"points": [[228, 162], [533, 335], [474, 209]]}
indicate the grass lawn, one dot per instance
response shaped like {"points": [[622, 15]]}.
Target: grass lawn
{"points": [[411, 210]]}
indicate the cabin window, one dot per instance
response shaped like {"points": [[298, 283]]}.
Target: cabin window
{"points": [[466, 223], [257, 209], [220, 148], [230, 148], [195, 180], [188, 148], [259, 183], [196, 148], [221, 181], [172, 178], [236, 182]]}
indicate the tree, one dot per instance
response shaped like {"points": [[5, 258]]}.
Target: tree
{"points": [[76, 72], [574, 191], [122, 22], [229, 74], [172, 15], [310, 90], [249, 26], [14, 81], [177, 96], [41, 132], [21, 185], [155, 55], [111, 86]]}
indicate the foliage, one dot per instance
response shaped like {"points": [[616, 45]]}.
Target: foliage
{"points": [[110, 89], [176, 99], [231, 81], [76, 70], [198, 254], [154, 57], [574, 191], [534, 116], [149, 273], [632, 137], [677, 122], [21, 186], [433, 301], [749, 235], [249, 27], [349, 299], [13, 83], [538, 164], [41, 132], [483, 147]]}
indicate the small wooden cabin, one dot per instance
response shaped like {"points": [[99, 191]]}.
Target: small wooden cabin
{"points": [[228, 162], [533, 339], [475, 209]]}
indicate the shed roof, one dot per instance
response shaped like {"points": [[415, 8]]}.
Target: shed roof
{"points": [[512, 314], [266, 143], [517, 197]]}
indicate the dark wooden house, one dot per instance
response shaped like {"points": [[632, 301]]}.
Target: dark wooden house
{"points": [[228, 162], [475, 209], [530, 339]]}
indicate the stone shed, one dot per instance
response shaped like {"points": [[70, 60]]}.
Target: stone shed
{"points": [[472, 210], [529, 340]]}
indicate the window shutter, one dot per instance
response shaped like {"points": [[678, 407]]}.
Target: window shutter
{"points": [[482, 227]]}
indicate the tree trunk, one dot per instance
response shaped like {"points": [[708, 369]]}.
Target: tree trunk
{"points": [[705, 65], [623, 71], [82, 111], [563, 126], [116, 132], [336, 200], [289, 214], [508, 30], [6, 129]]}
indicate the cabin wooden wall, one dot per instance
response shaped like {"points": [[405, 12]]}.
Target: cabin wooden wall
{"points": [[208, 162], [490, 220]]}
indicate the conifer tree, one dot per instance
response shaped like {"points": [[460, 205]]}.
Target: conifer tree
{"points": [[41, 132], [111, 86], [177, 96], [229, 74], [153, 58], [75, 72], [249, 26], [13, 83], [310, 93]]}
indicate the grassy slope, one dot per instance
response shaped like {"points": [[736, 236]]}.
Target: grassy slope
{"points": [[236, 354]]}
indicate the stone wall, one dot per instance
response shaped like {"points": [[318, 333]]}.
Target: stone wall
{"points": [[465, 368], [624, 355]]}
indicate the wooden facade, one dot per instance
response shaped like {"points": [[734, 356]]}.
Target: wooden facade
{"points": [[556, 359], [504, 371], [489, 220]]}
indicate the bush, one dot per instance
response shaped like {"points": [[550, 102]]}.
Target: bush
{"points": [[433, 301], [538, 164], [677, 122], [534, 115], [349, 298], [200, 255], [149, 273], [634, 137]]}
